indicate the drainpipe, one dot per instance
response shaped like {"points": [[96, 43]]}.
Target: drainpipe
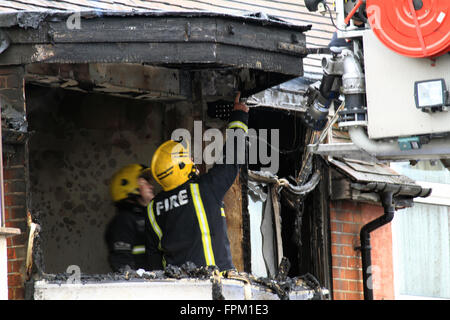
{"points": [[389, 209]]}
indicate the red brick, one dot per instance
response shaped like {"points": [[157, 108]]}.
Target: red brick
{"points": [[335, 237], [16, 265], [340, 238], [348, 250], [338, 295], [354, 262], [19, 252], [344, 216], [336, 226], [338, 261], [19, 293], [336, 204], [15, 280], [333, 213], [15, 200], [357, 217], [19, 223], [14, 186], [11, 253], [351, 206], [13, 213], [18, 240], [347, 218], [338, 273], [11, 293], [340, 285], [353, 296], [356, 286], [14, 173], [351, 228], [336, 249], [352, 274]]}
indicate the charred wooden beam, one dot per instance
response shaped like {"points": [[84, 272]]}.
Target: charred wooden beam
{"points": [[146, 82], [189, 40]]}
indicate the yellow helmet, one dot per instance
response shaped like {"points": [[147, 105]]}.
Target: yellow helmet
{"points": [[124, 183], [172, 165]]}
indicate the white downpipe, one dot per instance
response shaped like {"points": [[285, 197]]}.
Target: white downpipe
{"points": [[435, 148], [3, 269]]}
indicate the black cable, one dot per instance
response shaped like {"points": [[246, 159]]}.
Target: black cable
{"points": [[331, 17]]}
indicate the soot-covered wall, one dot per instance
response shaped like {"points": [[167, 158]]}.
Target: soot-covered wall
{"points": [[78, 141]]}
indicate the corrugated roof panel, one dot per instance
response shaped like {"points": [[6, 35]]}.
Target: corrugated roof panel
{"points": [[144, 5], [170, 5], [35, 5], [16, 6], [150, 5], [99, 5]]}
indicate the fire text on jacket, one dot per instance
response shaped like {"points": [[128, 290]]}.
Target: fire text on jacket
{"points": [[174, 201]]}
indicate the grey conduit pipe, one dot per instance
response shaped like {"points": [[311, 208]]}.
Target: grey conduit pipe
{"points": [[391, 150]]}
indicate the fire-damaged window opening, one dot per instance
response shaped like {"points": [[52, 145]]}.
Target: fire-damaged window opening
{"points": [[299, 208], [77, 141]]}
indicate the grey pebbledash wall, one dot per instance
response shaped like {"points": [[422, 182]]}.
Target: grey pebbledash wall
{"points": [[78, 142]]}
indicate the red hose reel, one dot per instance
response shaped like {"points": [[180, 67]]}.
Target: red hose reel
{"points": [[413, 28]]}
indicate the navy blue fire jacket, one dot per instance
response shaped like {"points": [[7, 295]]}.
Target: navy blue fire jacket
{"points": [[188, 223], [125, 237]]}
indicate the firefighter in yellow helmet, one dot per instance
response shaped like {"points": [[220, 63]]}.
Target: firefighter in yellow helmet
{"points": [[131, 192], [186, 221]]}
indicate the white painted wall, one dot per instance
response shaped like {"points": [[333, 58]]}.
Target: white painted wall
{"points": [[3, 269]]}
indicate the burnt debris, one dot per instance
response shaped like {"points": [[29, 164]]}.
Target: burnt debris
{"points": [[282, 285]]}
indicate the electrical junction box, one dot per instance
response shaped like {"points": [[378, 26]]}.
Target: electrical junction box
{"points": [[390, 85]]}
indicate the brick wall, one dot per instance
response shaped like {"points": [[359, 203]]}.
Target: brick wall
{"points": [[14, 173], [346, 220], [15, 217]]}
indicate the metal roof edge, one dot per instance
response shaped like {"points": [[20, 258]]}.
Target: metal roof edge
{"points": [[401, 185]]}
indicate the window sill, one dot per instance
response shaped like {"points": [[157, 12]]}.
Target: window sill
{"points": [[9, 231]]}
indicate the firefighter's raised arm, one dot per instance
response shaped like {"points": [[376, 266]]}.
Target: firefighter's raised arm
{"points": [[222, 175], [238, 105]]}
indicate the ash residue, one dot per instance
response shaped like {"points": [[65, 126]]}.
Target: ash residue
{"points": [[282, 285], [187, 271], [66, 278], [283, 288]]}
